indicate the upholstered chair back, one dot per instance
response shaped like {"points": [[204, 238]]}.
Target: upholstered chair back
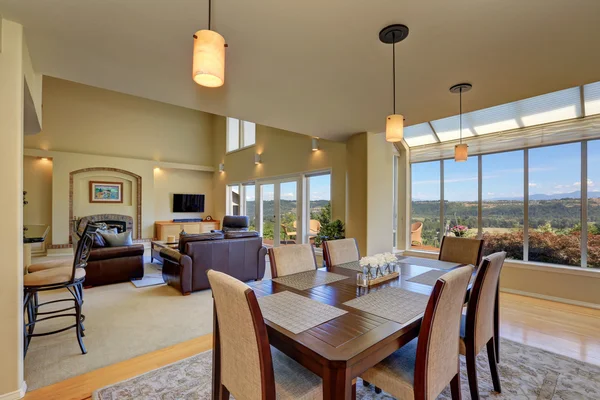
{"points": [[246, 362], [461, 250], [336, 252], [438, 345], [292, 259], [480, 310]]}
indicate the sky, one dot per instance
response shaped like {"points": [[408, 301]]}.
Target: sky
{"points": [[552, 170], [320, 189]]}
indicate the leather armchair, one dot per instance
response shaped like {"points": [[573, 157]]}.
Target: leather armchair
{"points": [[108, 265]]}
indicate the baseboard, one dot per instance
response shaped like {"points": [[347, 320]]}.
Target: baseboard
{"points": [[16, 395], [551, 298]]}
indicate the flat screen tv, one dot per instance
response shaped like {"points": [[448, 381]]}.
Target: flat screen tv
{"points": [[188, 203]]}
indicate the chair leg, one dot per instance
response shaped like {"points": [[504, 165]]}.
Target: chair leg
{"points": [[472, 371], [353, 395], [455, 387], [491, 350], [78, 322], [223, 393], [377, 390], [366, 384]]}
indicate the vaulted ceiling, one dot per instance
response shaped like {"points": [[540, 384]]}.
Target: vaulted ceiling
{"points": [[317, 67]]}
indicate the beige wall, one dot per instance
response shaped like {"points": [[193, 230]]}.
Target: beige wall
{"points": [[12, 62], [370, 192], [283, 153], [356, 190], [170, 181], [84, 119], [37, 182]]}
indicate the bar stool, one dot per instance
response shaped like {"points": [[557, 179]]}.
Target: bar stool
{"points": [[70, 278]]}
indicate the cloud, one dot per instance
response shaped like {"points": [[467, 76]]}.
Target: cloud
{"points": [[589, 182], [531, 184]]}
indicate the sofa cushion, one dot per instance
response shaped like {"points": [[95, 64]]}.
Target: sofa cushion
{"points": [[240, 234], [106, 253], [117, 239]]}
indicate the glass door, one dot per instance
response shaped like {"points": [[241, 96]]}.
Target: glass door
{"points": [[280, 212]]}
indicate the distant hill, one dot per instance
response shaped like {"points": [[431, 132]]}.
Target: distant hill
{"points": [[558, 196]]}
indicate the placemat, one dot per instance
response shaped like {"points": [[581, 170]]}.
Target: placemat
{"points": [[296, 313], [392, 303], [427, 262], [309, 279], [429, 278], [353, 265]]}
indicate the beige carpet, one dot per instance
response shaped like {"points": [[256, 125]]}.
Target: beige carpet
{"points": [[122, 322]]}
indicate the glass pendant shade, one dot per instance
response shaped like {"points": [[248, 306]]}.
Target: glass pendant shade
{"points": [[461, 152], [209, 59], [394, 128]]}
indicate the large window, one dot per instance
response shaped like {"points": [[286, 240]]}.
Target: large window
{"points": [[529, 203], [593, 206], [425, 210], [460, 197], [240, 134], [319, 205], [555, 204], [502, 208]]}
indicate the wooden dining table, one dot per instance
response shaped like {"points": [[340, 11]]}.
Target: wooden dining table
{"points": [[341, 349]]}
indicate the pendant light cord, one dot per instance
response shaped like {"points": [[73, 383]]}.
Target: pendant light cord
{"points": [[460, 108], [394, 67], [209, 13]]}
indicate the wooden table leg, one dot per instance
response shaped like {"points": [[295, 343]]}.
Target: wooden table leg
{"points": [[337, 384], [216, 371]]}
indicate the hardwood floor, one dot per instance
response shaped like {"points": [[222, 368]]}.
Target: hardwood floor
{"points": [[556, 327]]}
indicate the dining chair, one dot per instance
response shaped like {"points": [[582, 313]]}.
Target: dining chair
{"points": [[69, 278], [292, 259], [422, 368], [477, 327], [341, 251], [248, 367], [461, 250]]}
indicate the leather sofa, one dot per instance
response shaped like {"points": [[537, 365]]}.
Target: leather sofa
{"points": [[236, 253], [108, 265]]}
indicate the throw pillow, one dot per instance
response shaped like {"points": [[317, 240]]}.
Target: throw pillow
{"points": [[99, 240], [117, 239]]}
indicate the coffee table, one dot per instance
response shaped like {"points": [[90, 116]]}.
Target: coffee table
{"points": [[157, 245]]}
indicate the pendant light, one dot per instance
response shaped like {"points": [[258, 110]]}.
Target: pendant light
{"points": [[394, 125], [209, 56], [461, 150]]}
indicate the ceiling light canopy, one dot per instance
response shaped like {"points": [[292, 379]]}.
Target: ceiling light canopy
{"points": [[209, 56], [461, 150], [394, 125]]}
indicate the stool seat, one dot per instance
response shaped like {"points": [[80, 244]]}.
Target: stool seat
{"points": [[53, 276], [49, 265]]}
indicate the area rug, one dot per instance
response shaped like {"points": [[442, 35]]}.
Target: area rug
{"points": [[525, 373], [152, 276]]}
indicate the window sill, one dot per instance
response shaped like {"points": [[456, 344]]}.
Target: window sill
{"points": [[240, 149], [531, 265]]}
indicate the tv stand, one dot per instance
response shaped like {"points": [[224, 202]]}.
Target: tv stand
{"points": [[163, 229]]}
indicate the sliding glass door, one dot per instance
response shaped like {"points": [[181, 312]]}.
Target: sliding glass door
{"points": [[280, 212]]}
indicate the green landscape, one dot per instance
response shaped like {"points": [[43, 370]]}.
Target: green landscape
{"points": [[554, 227]]}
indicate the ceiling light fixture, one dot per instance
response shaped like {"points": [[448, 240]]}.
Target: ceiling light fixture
{"points": [[209, 56], [394, 126], [315, 144], [461, 150]]}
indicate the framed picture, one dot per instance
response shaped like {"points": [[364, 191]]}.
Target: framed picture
{"points": [[106, 192]]}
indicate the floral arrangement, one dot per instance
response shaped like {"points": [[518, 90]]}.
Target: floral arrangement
{"points": [[459, 230], [378, 260]]}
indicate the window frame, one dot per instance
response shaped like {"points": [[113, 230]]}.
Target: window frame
{"points": [[241, 142], [584, 220]]}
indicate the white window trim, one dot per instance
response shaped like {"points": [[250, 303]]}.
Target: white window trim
{"points": [[242, 145]]}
